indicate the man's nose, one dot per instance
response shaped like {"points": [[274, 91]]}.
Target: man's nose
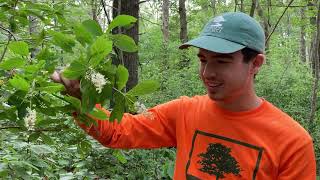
{"points": [[209, 71]]}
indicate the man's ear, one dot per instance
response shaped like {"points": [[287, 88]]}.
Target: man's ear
{"points": [[257, 62]]}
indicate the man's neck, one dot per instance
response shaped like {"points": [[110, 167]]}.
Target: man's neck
{"points": [[243, 103]]}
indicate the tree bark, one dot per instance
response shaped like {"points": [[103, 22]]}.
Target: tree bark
{"points": [[315, 59], [94, 10], [213, 6], [253, 7], [33, 22], [165, 21], [165, 33], [266, 25], [130, 60], [183, 21], [303, 51]]}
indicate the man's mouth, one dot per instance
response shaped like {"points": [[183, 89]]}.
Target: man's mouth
{"points": [[214, 84]]}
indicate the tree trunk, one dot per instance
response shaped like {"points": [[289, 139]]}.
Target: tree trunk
{"points": [[213, 6], [184, 61], [183, 21], [94, 8], [165, 22], [315, 59], [303, 51], [266, 25], [165, 33], [253, 7], [129, 60], [33, 22]]}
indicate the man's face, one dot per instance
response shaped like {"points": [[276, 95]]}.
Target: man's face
{"points": [[225, 76]]}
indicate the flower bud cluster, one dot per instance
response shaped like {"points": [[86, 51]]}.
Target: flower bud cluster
{"points": [[97, 79], [30, 119], [140, 108]]}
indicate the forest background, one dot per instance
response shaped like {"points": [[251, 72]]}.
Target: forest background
{"points": [[38, 36]]}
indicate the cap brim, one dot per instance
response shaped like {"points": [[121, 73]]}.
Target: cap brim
{"points": [[214, 44]]}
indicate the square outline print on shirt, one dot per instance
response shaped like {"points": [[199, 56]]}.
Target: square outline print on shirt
{"points": [[215, 159]]}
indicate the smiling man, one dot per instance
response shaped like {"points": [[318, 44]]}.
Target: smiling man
{"points": [[229, 133]]}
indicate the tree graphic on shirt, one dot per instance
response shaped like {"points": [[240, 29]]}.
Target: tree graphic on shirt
{"points": [[218, 161]]}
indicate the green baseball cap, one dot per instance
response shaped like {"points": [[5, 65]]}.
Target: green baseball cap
{"points": [[228, 33]]}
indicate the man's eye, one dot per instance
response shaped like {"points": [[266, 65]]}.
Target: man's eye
{"points": [[203, 60], [223, 62]]}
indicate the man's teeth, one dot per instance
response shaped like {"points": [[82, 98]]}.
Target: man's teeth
{"points": [[214, 84]]}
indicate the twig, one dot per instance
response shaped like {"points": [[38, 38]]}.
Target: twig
{"points": [[105, 11], [278, 21], [122, 94], [8, 31], [5, 48], [143, 1], [150, 21]]}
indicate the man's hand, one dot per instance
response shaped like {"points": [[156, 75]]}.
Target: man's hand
{"points": [[72, 86]]}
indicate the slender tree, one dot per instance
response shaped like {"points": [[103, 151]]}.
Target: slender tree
{"points": [[130, 60]]}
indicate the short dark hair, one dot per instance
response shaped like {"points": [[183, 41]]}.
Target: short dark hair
{"points": [[249, 54]]}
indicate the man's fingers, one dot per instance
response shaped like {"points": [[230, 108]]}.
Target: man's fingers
{"points": [[56, 77]]}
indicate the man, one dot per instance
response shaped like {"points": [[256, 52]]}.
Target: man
{"points": [[230, 133]]}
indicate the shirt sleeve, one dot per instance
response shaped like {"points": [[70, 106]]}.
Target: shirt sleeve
{"points": [[153, 129], [299, 163]]}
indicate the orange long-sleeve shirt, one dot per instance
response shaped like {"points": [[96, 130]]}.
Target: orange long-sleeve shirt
{"points": [[213, 143]]}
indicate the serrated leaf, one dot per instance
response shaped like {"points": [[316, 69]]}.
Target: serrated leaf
{"points": [[46, 139], [41, 149], [11, 63], [75, 102], [124, 43], [122, 77], [119, 107], [76, 69], [19, 83], [34, 136], [120, 156], [120, 21], [93, 27], [99, 114], [144, 87], [64, 41], [19, 47], [99, 50], [53, 88], [84, 147], [88, 97], [82, 34]]}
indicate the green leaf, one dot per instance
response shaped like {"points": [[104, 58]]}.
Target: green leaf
{"points": [[99, 114], [119, 107], [122, 77], [64, 41], [19, 83], [34, 136], [52, 88], [120, 156], [75, 102], [11, 63], [93, 27], [76, 69], [84, 147], [19, 47], [41, 149], [124, 43], [120, 21], [46, 139], [88, 97], [144, 87], [82, 34], [99, 50], [34, 68]]}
